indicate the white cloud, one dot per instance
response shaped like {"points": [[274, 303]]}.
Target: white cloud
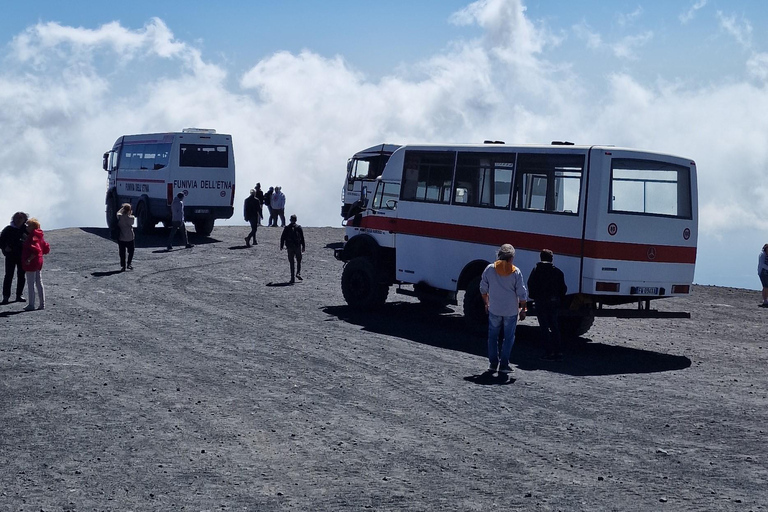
{"points": [[67, 93], [691, 13], [626, 48], [630, 18], [740, 30]]}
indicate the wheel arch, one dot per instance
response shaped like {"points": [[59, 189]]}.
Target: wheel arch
{"points": [[470, 271]]}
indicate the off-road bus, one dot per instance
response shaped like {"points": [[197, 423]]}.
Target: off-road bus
{"points": [[148, 171], [362, 170], [621, 222]]}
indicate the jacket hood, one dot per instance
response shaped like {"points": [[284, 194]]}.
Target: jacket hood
{"points": [[504, 268]]}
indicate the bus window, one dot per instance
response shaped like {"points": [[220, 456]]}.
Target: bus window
{"points": [[148, 157], [132, 156], [203, 155], [483, 179], [162, 156], [650, 187], [427, 176], [548, 182], [385, 193]]}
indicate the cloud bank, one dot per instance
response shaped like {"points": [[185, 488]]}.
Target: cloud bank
{"points": [[66, 93]]}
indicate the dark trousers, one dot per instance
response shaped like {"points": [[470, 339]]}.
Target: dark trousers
{"points": [[254, 226], [13, 265], [294, 253], [126, 246], [271, 218], [277, 212], [550, 328]]}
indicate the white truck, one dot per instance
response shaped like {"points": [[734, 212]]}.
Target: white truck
{"points": [[148, 170], [362, 170], [621, 222]]}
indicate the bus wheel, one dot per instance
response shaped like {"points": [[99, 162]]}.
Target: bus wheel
{"points": [[474, 307], [203, 227], [111, 212], [359, 285], [572, 327], [144, 222]]}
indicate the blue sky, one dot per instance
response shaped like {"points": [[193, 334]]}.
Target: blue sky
{"points": [[302, 85]]}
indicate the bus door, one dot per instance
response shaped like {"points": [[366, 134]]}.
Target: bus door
{"points": [[640, 231], [377, 216]]}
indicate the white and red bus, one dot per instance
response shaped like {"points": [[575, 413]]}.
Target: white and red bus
{"points": [[362, 170], [621, 222], [148, 171]]}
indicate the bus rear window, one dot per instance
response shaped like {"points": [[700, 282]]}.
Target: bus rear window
{"points": [[650, 187], [203, 155]]}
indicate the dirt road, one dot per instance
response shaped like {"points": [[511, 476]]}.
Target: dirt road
{"points": [[200, 381]]}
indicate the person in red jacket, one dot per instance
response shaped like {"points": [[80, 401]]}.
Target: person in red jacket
{"points": [[32, 253]]}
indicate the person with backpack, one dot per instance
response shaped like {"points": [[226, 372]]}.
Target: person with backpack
{"points": [[32, 253], [268, 203], [251, 208], [293, 240]]}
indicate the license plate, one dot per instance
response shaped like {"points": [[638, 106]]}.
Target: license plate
{"points": [[643, 290], [200, 210]]}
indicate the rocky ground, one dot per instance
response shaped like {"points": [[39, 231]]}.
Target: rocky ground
{"points": [[201, 381]]}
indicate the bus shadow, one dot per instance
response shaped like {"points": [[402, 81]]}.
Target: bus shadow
{"points": [[414, 322], [158, 238]]}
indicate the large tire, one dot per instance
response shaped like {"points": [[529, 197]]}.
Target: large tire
{"points": [[571, 327], [145, 224], [474, 307], [360, 284], [111, 211], [204, 227]]}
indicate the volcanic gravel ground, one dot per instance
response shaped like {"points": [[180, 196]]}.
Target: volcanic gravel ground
{"points": [[202, 381]]}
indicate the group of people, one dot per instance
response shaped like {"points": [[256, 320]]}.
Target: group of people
{"points": [[505, 295], [24, 247], [253, 209]]}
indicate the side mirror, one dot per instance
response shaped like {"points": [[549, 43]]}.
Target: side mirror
{"points": [[105, 161], [391, 204]]}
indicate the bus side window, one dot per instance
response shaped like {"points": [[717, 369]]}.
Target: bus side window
{"points": [[427, 176], [162, 156], [483, 179], [548, 182]]}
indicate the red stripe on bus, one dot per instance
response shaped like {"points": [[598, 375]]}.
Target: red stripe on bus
{"points": [[534, 241]]}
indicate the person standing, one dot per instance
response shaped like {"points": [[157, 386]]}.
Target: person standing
{"points": [[268, 202], [32, 253], [11, 240], [177, 221], [251, 208], [503, 290], [762, 271], [126, 240], [547, 288], [278, 206], [293, 240], [260, 197]]}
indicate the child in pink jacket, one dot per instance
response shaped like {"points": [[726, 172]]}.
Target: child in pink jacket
{"points": [[32, 253]]}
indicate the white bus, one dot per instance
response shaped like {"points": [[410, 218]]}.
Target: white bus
{"points": [[362, 170], [148, 170], [621, 222]]}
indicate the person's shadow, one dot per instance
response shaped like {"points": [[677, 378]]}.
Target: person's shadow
{"points": [[488, 378], [106, 273], [273, 285]]}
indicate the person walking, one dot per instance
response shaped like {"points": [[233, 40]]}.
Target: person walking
{"points": [[260, 197], [547, 288], [503, 290], [32, 253], [268, 203], [11, 240], [762, 272], [251, 207], [177, 222], [293, 240], [125, 240], [278, 206]]}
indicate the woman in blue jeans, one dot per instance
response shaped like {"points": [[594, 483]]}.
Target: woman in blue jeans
{"points": [[503, 290]]}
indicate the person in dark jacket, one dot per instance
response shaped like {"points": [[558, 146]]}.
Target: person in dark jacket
{"points": [[251, 208], [268, 202], [11, 241], [260, 197], [293, 240], [546, 286]]}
